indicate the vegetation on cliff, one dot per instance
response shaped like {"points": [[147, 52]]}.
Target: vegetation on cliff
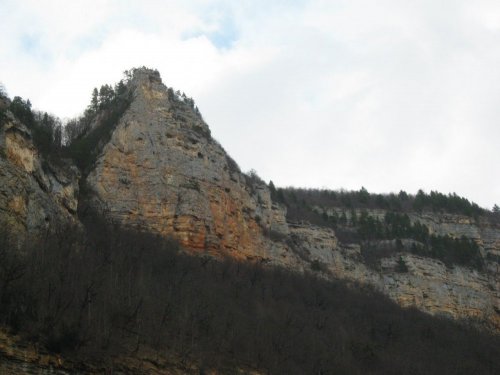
{"points": [[46, 129], [348, 214], [402, 202], [4, 103], [82, 137], [88, 133]]}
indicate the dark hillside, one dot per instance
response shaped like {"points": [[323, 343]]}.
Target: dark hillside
{"points": [[117, 292]]}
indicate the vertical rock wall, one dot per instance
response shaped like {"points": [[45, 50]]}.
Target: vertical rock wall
{"points": [[33, 200], [163, 172]]}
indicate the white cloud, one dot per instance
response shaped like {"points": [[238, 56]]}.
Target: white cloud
{"points": [[388, 95]]}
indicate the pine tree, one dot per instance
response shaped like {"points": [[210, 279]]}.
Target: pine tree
{"points": [[94, 102], [272, 190]]}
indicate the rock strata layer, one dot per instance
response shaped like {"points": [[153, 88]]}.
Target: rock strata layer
{"points": [[161, 171], [33, 199]]}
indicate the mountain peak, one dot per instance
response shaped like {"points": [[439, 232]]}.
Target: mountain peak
{"points": [[153, 101], [161, 171], [144, 74]]}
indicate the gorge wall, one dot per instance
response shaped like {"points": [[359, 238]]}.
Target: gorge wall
{"points": [[161, 171], [35, 195]]}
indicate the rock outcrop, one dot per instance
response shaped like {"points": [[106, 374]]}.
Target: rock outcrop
{"points": [[458, 292], [426, 283], [33, 199], [482, 231], [161, 171]]}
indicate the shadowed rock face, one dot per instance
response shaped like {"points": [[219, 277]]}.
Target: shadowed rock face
{"points": [[33, 199], [458, 292]]}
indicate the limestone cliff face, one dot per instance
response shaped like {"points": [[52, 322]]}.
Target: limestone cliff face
{"points": [[162, 171], [483, 232], [33, 199], [457, 292]]}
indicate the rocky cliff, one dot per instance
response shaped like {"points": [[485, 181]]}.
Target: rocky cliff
{"points": [[161, 171], [426, 283], [35, 195]]}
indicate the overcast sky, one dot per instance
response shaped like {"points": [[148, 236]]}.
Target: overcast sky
{"points": [[383, 94]]}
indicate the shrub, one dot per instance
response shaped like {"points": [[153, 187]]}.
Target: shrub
{"points": [[401, 266]]}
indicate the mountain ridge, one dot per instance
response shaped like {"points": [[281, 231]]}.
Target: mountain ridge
{"points": [[159, 170]]}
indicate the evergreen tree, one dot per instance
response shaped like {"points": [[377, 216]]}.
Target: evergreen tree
{"points": [[403, 195], [354, 218], [401, 266], [22, 110], [363, 195], [272, 189], [120, 88], [106, 96], [94, 102], [343, 218]]}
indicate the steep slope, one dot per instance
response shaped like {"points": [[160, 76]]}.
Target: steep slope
{"points": [[414, 277], [426, 283], [162, 172], [33, 199]]}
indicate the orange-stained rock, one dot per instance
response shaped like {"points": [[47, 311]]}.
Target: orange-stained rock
{"points": [[33, 199], [162, 171]]}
